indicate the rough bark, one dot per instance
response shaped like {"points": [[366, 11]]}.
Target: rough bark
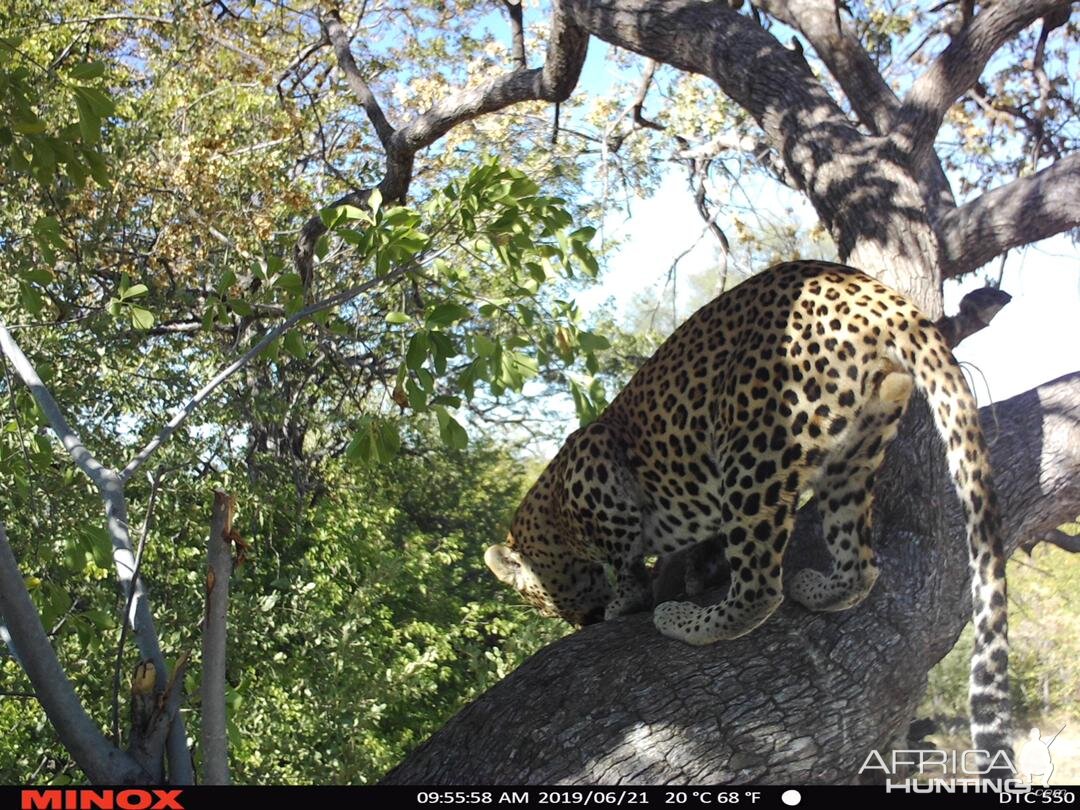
{"points": [[871, 98], [1018, 213], [803, 698]]}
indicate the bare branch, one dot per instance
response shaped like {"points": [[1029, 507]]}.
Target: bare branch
{"points": [[339, 38], [958, 67], [215, 743], [1054, 537], [517, 29], [1018, 213], [102, 477], [553, 82], [200, 396], [613, 137], [101, 760], [977, 309]]}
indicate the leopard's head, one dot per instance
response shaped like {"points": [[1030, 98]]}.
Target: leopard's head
{"points": [[570, 589]]}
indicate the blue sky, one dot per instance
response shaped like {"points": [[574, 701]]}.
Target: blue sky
{"points": [[1034, 339]]}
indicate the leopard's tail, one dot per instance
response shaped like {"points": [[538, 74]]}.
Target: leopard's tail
{"points": [[937, 374]]}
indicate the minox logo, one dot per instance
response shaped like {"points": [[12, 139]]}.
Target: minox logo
{"points": [[84, 799]]}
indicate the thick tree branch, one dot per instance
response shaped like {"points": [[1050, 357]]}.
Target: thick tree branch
{"points": [[110, 486], [339, 38], [80, 735], [958, 67], [1018, 213], [102, 477], [517, 31], [770, 81], [860, 186], [871, 98], [804, 697]]}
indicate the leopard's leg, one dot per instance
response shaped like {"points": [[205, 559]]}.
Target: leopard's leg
{"points": [[754, 543], [845, 499], [602, 501], [633, 593], [846, 517]]}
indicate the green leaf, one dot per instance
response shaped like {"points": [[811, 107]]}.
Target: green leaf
{"points": [[99, 170], [41, 276], [141, 318], [397, 317], [583, 235], [359, 448], [446, 314], [426, 379], [375, 200], [87, 70], [352, 212], [294, 344], [417, 398], [417, 351], [240, 307], [451, 432], [592, 342], [133, 291], [388, 441], [290, 282], [31, 299], [100, 103], [331, 216], [483, 345], [31, 126]]}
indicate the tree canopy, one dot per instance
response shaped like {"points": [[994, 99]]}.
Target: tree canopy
{"points": [[325, 258]]}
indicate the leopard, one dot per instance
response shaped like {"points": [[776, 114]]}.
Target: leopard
{"points": [[794, 380]]}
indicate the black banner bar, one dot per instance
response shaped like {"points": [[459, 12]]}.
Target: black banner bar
{"points": [[900, 794]]}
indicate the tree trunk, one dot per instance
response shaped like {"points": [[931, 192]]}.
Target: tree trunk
{"points": [[806, 696]]}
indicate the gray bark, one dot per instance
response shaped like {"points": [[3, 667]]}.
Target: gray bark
{"points": [[110, 486], [100, 759], [215, 742], [1012, 215], [803, 698]]}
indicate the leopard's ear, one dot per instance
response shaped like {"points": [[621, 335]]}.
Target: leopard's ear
{"points": [[504, 562]]}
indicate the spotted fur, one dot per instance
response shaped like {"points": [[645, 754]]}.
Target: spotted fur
{"points": [[795, 379]]}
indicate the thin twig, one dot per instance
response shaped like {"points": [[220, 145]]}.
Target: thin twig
{"points": [[204, 392]]}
